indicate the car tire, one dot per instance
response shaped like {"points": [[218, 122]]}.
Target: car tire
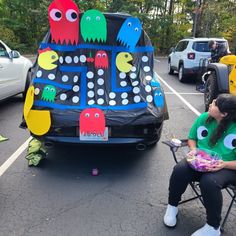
{"points": [[211, 90], [27, 83], [170, 70], [181, 74]]}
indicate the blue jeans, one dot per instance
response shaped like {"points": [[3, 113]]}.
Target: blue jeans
{"points": [[211, 184]]}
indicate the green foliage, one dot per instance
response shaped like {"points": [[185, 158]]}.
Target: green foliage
{"points": [[25, 22]]}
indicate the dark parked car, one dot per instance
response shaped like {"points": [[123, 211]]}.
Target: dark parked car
{"points": [[97, 86]]}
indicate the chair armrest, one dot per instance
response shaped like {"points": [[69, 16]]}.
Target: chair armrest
{"points": [[184, 143]]}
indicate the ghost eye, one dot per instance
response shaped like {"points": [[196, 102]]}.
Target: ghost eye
{"points": [[129, 24], [71, 15], [99, 55], [48, 89], [88, 18], [55, 14], [202, 132], [98, 18], [104, 55], [87, 115], [96, 115], [52, 90], [136, 29], [230, 141]]}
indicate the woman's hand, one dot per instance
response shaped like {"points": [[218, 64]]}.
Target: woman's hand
{"points": [[220, 165]]}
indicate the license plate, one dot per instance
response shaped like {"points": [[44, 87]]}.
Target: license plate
{"points": [[92, 136]]}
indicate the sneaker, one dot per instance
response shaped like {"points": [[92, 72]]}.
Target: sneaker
{"points": [[170, 216], [207, 230]]}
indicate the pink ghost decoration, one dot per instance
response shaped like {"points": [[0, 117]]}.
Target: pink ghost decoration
{"points": [[64, 21], [101, 59], [92, 120]]}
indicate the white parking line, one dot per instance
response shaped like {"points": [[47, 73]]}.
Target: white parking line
{"points": [[13, 157], [185, 93]]}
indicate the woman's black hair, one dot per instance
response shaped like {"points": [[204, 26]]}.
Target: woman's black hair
{"points": [[226, 104]]}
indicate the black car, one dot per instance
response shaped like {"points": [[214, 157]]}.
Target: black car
{"points": [[98, 86]]}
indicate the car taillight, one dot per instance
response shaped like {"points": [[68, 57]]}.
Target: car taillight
{"points": [[191, 55]]}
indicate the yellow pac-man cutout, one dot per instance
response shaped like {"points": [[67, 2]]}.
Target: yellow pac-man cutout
{"points": [[122, 62], [231, 60], [38, 122], [46, 59]]}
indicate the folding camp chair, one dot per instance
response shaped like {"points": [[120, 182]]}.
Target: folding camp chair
{"points": [[230, 189]]}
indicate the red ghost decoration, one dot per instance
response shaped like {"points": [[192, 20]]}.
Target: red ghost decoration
{"points": [[101, 59], [92, 121], [64, 21]]}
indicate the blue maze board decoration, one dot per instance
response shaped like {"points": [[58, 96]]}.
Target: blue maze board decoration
{"points": [[113, 73]]}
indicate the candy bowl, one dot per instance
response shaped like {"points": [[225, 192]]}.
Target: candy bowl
{"points": [[202, 160]]}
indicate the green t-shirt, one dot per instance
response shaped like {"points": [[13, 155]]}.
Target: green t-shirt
{"points": [[202, 131]]}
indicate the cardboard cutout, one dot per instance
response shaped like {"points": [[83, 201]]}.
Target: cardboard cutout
{"points": [[158, 98], [46, 59], [101, 60], [92, 122], [49, 93], [130, 32], [93, 26], [122, 62], [64, 21], [38, 122]]}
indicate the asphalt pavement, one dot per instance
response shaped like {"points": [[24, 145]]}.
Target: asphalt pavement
{"points": [[127, 198]]}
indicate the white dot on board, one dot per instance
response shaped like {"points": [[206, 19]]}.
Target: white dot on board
{"points": [[136, 90], [125, 101], [65, 78], [112, 95], [68, 59], [100, 101], [135, 83], [133, 68], [146, 68], [137, 99], [100, 72], [122, 75], [124, 95], [123, 83], [76, 59], [82, 58], [149, 98], [76, 78], [148, 77], [148, 88], [76, 88], [91, 85], [90, 94], [51, 76], [90, 75], [36, 91], [61, 60], [100, 92], [133, 75], [100, 81], [75, 99], [144, 58], [112, 102], [91, 102], [39, 73], [63, 96]]}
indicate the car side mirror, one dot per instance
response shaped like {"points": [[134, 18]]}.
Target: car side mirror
{"points": [[14, 54], [172, 49]]}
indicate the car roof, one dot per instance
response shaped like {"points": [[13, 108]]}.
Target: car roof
{"points": [[204, 39]]}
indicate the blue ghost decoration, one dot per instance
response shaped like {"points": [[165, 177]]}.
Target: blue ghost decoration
{"points": [[155, 83], [158, 98], [130, 32]]}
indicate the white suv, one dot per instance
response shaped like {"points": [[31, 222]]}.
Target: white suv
{"points": [[186, 57]]}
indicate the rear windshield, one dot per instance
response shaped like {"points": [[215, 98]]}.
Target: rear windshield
{"points": [[203, 46]]}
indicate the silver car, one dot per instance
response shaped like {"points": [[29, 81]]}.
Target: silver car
{"points": [[14, 72]]}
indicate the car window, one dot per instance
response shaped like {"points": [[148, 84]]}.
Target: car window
{"points": [[181, 46], [201, 46], [3, 52]]}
